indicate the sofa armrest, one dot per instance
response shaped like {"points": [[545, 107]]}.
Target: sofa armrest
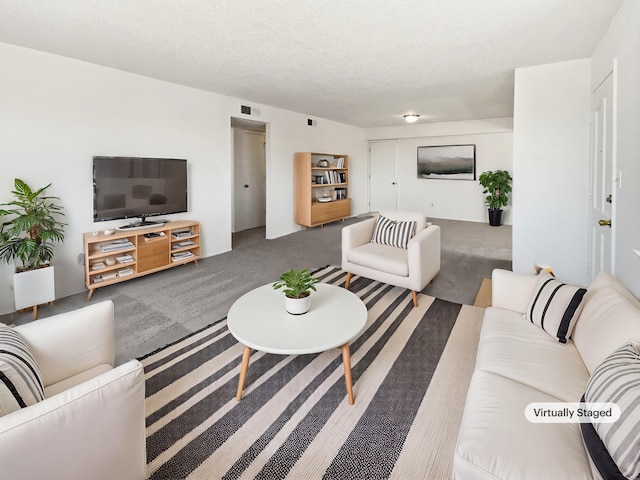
{"points": [[95, 430], [512, 291], [73, 342], [423, 252], [355, 235]]}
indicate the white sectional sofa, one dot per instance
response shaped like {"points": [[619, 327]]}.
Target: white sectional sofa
{"points": [[90, 424], [519, 363]]}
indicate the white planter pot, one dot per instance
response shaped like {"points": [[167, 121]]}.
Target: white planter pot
{"points": [[297, 306], [34, 287]]}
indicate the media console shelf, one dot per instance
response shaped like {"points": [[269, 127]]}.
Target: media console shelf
{"points": [[124, 255]]}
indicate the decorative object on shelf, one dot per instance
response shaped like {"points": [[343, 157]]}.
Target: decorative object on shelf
{"points": [[297, 285], [447, 162], [323, 163], [29, 236], [325, 196], [497, 184]]}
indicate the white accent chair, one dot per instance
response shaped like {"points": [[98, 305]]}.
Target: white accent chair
{"points": [[91, 423], [412, 268]]}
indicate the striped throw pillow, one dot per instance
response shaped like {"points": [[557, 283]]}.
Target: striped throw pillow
{"points": [[20, 379], [555, 306], [393, 232], [617, 380]]}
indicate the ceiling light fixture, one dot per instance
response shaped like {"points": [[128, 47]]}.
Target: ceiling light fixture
{"points": [[411, 118]]}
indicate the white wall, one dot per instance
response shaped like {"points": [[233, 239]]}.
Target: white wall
{"points": [[57, 113], [622, 43], [452, 199], [551, 168]]}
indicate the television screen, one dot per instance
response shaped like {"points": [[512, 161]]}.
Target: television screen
{"points": [[133, 187]]}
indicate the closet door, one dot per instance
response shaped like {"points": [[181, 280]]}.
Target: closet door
{"points": [[383, 178]]}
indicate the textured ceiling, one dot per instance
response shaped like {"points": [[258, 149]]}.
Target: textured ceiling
{"points": [[361, 62]]}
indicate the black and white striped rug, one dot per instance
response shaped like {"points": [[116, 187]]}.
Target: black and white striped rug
{"points": [[294, 420]]}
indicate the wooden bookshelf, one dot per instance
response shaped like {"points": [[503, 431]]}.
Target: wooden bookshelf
{"points": [[314, 182]]}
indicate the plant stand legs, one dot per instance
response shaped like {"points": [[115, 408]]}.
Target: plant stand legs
{"points": [[35, 309]]}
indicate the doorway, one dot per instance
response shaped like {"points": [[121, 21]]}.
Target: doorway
{"points": [[603, 178], [249, 175], [383, 183]]}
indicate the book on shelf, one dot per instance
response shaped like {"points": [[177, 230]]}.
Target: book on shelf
{"points": [[114, 246], [182, 233], [126, 258], [104, 277], [186, 243], [340, 162], [123, 272], [176, 257]]}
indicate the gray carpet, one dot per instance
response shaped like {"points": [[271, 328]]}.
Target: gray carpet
{"points": [[158, 309], [294, 420]]}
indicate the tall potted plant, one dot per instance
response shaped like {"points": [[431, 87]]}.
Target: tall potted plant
{"points": [[27, 238], [297, 285], [497, 184]]}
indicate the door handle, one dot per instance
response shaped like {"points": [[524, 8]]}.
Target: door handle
{"points": [[605, 223], [246, 186], [609, 198], [394, 183]]}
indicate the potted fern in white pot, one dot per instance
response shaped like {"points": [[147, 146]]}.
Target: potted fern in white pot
{"points": [[30, 230], [297, 286]]}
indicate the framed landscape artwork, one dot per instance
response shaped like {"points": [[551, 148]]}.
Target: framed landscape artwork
{"points": [[448, 162]]}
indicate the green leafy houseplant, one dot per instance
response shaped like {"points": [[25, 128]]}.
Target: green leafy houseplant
{"points": [[497, 185], [32, 229], [296, 283]]}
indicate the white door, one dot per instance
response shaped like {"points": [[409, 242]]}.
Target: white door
{"points": [[603, 198], [383, 180], [249, 180]]}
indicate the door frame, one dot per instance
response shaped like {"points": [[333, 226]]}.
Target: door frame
{"points": [[242, 123]]}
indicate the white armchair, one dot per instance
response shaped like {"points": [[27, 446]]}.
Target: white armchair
{"points": [[412, 268], [91, 422]]}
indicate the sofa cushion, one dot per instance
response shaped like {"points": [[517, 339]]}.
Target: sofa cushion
{"points": [[617, 380], [71, 382], [517, 350], [607, 321], [20, 379], [554, 306], [394, 233], [403, 216], [496, 440], [381, 257]]}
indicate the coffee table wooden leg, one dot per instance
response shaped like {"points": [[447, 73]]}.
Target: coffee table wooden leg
{"points": [[243, 372], [346, 360]]}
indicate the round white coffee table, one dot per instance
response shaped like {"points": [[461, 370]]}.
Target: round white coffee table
{"points": [[259, 321]]}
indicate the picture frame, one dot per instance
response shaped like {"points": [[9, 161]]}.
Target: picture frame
{"points": [[447, 162]]}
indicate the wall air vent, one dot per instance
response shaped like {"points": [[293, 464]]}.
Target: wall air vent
{"points": [[245, 109]]}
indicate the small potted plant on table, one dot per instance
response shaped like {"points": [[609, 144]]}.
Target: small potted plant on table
{"points": [[497, 185], [297, 286], [29, 236]]}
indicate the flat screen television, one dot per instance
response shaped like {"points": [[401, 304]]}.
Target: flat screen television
{"points": [[135, 187]]}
